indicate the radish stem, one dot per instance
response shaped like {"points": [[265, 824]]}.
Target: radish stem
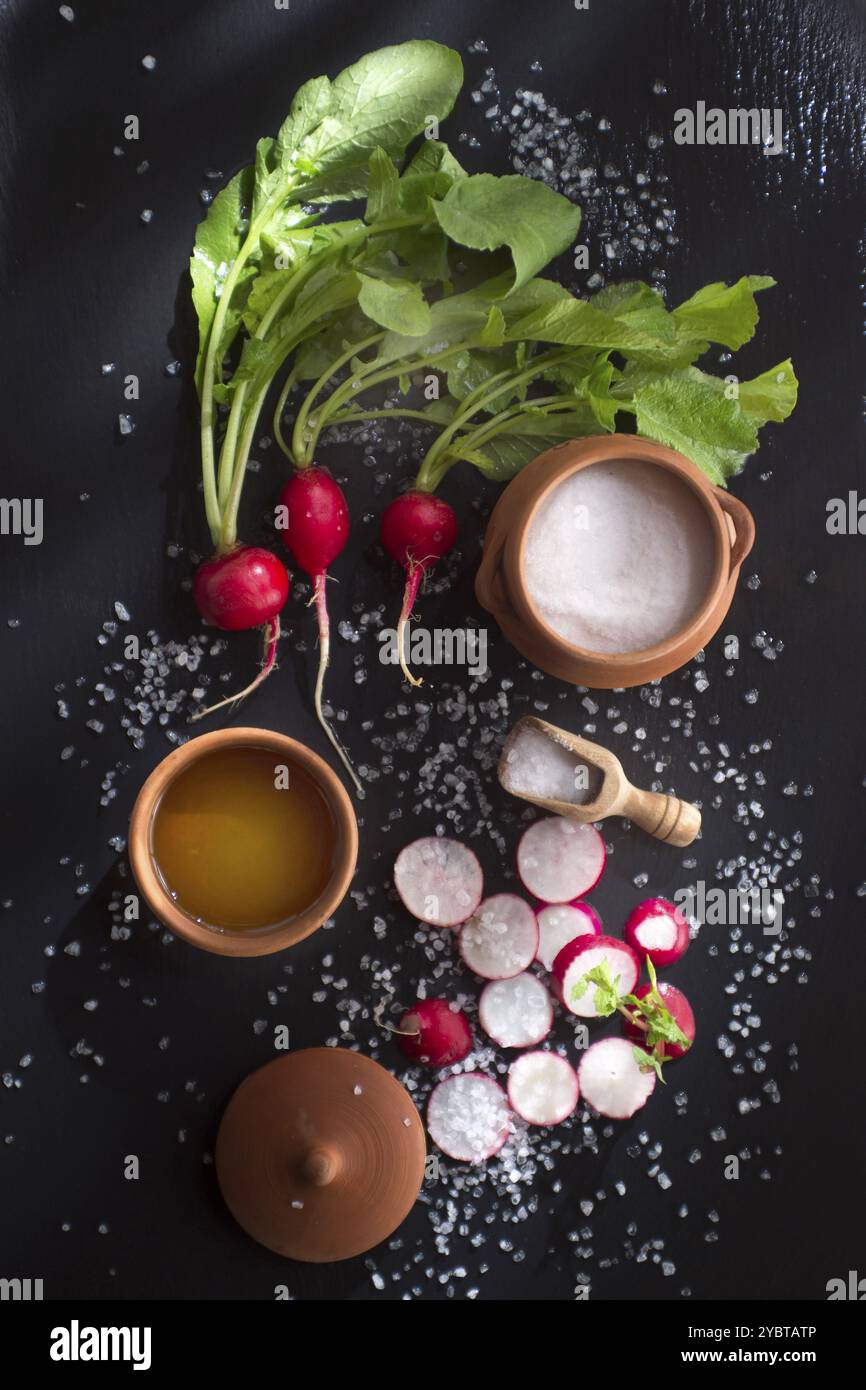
{"points": [[271, 638]]}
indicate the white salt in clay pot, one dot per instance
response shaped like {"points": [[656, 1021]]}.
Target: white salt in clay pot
{"points": [[502, 588]]}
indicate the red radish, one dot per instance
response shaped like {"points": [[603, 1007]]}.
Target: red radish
{"points": [[434, 1033], [468, 1117], [561, 923], [516, 1012], [680, 1011], [416, 529], [439, 881], [559, 860], [315, 529], [239, 589], [611, 1080], [658, 931], [584, 954], [501, 938], [542, 1088]]}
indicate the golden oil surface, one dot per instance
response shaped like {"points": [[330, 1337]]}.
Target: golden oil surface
{"points": [[243, 840]]}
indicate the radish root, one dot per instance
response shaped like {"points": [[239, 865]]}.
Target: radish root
{"points": [[271, 632], [415, 573], [388, 1027], [320, 600]]}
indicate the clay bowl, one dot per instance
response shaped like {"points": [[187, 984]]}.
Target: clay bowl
{"points": [[500, 584], [268, 939]]}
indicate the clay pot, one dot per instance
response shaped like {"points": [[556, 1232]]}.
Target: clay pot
{"points": [[268, 940], [500, 584], [320, 1154]]}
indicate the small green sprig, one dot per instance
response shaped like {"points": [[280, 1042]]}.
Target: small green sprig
{"points": [[648, 1014]]}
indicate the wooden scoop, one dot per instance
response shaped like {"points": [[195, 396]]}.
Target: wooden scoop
{"points": [[669, 819]]}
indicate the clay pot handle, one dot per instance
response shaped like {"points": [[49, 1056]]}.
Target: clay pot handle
{"points": [[744, 526], [669, 819], [489, 586]]}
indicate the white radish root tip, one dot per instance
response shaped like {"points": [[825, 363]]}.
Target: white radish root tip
{"points": [[271, 638], [321, 602], [415, 574]]}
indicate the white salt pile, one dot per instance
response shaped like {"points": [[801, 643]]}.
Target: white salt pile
{"points": [[537, 765], [619, 556]]}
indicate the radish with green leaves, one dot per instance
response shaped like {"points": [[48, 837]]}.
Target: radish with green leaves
{"points": [[314, 521], [264, 280]]}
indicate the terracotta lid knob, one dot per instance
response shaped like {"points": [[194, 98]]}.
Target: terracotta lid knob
{"points": [[321, 1166]]}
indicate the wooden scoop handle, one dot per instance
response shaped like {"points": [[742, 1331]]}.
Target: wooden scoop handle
{"points": [[669, 819]]}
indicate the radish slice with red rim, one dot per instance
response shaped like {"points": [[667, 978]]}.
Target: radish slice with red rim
{"points": [[468, 1117], [500, 940], [517, 1012], [559, 860], [611, 1081], [658, 931], [542, 1088], [560, 923], [583, 955], [439, 881]]}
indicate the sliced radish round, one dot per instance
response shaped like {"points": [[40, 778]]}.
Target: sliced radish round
{"points": [[680, 1011], [439, 881], [559, 860], [563, 922], [501, 939], [468, 1117], [611, 1080], [516, 1012], [658, 931], [542, 1088], [583, 955]]}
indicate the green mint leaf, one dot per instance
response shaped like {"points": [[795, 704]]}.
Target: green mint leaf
{"points": [[485, 213], [648, 1061], [607, 991]]}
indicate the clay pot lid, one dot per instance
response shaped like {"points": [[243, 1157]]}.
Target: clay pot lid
{"points": [[320, 1154]]}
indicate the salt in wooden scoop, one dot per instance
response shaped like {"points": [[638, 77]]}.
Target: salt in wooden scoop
{"points": [[587, 782]]}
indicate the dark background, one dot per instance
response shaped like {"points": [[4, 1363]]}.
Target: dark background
{"points": [[85, 282]]}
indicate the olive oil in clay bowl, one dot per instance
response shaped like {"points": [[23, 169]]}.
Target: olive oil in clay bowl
{"points": [[611, 561], [243, 842]]}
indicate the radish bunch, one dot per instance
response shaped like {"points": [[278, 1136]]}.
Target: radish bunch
{"points": [[503, 940]]}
